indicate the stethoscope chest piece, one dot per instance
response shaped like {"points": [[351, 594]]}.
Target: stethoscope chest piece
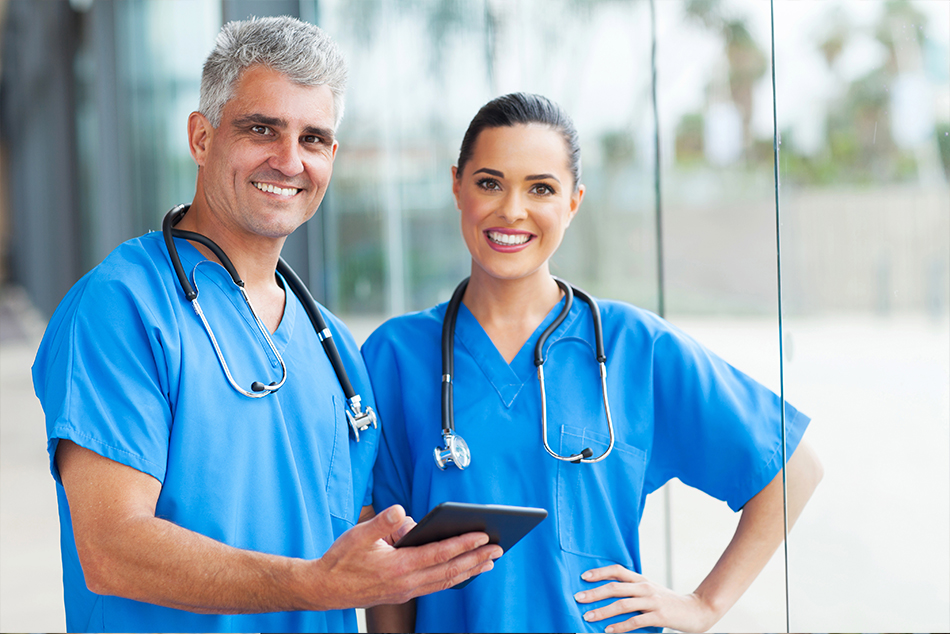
{"points": [[359, 418], [455, 451]]}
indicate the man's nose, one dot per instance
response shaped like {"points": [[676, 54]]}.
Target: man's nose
{"points": [[286, 157]]}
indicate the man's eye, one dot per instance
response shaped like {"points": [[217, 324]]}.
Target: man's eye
{"points": [[311, 138], [260, 129]]}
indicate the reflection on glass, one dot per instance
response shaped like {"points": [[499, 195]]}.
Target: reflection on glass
{"points": [[421, 70], [864, 114]]}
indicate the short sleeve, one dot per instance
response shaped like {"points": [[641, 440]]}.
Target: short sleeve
{"points": [[393, 469], [101, 375], [716, 429]]}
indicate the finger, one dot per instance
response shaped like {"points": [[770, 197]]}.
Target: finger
{"points": [[407, 525], [608, 591], [445, 551], [623, 606], [616, 572], [444, 575], [455, 572], [633, 623], [383, 525]]}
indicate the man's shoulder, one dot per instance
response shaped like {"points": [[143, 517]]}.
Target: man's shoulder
{"points": [[131, 274], [132, 260]]}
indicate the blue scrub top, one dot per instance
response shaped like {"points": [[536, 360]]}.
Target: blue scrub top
{"points": [[127, 370], [679, 411]]}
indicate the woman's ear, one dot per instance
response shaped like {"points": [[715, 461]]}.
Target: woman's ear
{"points": [[576, 199], [200, 132], [456, 184]]}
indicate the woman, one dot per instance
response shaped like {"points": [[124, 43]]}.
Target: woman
{"points": [[677, 411]]}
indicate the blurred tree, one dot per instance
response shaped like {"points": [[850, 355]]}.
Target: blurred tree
{"points": [[746, 61]]}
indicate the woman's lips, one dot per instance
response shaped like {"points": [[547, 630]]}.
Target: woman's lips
{"points": [[507, 240]]}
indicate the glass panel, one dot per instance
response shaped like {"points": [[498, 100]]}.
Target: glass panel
{"points": [[864, 115], [137, 81], [714, 94], [420, 71]]}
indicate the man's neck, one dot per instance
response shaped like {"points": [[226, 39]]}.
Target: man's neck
{"points": [[253, 257]]}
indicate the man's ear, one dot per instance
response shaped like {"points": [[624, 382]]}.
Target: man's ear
{"points": [[200, 133]]}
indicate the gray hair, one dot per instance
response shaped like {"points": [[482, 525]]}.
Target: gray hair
{"points": [[301, 51]]}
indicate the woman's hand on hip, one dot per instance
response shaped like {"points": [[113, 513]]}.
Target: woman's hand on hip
{"points": [[648, 603]]}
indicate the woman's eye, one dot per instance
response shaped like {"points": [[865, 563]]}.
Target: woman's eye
{"points": [[543, 189], [489, 184]]}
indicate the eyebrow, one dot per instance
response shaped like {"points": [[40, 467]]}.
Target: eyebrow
{"points": [[530, 177], [277, 122]]}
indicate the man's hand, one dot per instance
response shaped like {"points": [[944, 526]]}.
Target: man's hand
{"points": [[363, 569], [126, 551]]}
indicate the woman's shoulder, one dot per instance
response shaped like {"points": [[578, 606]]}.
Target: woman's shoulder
{"points": [[419, 328], [619, 314]]}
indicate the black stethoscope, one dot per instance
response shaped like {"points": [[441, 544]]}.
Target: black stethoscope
{"points": [[358, 419], [455, 449]]}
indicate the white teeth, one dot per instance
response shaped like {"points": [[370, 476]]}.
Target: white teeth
{"points": [[507, 238], [280, 191]]}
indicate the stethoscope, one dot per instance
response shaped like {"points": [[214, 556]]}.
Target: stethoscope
{"points": [[358, 419], [455, 449]]}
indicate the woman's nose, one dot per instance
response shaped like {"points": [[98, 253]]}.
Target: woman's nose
{"points": [[286, 157], [512, 208]]}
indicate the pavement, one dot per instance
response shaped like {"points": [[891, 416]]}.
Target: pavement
{"points": [[871, 552]]}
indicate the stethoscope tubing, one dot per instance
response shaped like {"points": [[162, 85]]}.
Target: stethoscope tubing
{"points": [[358, 417], [448, 370]]}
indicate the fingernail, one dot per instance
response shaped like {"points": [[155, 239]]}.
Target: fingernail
{"points": [[610, 629], [586, 575], [580, 596], [588, 616]]}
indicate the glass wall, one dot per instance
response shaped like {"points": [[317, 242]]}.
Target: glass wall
{"points": [[683, 215], [864, 113]]}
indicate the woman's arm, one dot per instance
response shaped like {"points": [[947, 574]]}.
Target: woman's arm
{"points": [[392, 618], [758, 535]]}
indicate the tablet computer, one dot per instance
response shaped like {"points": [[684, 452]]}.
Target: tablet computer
{"points": [[505, 525]]}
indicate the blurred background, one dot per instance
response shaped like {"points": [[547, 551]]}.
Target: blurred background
{"points": [[685, 214]]}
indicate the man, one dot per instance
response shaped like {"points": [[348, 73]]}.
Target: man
{"points": [[184, 504]]}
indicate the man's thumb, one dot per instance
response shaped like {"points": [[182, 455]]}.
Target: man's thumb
{"points": [[385, 523]]}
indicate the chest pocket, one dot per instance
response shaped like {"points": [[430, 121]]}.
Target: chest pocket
{"points": [[598, 505], [339, 476]]}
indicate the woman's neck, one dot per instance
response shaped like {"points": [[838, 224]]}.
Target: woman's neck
{"points": [[511, 310]]}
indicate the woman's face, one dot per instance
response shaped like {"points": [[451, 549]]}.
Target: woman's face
{"points": [[516, 196]]}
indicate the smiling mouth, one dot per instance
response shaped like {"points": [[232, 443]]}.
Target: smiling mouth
{"points": [[273, 189], [508, 239]]}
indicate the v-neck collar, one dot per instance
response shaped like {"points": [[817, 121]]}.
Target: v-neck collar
{"points": [[217, 275], [507, 379]]}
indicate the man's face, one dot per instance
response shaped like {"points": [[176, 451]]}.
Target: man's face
{"points": [[264, 170]]}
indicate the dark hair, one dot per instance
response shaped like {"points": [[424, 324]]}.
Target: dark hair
{"points": [[520, 108]]}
